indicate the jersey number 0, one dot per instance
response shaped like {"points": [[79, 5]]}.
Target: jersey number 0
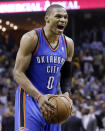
{"points": [[50, 82]]}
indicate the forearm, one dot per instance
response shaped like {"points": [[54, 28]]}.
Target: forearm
{"points": [[26, 84]]}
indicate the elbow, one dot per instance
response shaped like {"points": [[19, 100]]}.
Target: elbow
{"points": [[15, 75]]}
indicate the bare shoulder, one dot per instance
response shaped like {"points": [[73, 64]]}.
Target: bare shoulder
{"points": [[28, 41], [70, 42], [24, 54], [70, 48]]}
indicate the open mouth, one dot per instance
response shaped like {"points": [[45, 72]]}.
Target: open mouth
{"points": [[60, 27]]}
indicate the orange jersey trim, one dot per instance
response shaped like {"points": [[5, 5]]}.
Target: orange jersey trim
{"points": [[24, 110], [19, 108], [37, 45], [49, 43]]}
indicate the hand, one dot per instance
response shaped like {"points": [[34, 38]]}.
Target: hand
{"points": [[45, 105], [71, 103], [70, 100]]}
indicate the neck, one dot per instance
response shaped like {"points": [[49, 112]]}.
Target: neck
{"points": [[51, 36]]}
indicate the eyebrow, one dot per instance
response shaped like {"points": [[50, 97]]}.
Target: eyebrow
{"points": [[59, 14]]}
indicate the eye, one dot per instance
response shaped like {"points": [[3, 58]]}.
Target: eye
{"points": [[58, 16], [66, 17]]}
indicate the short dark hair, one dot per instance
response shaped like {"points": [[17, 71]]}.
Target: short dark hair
{"points": [[50, 8]]}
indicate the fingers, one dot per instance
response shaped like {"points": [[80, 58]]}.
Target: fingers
{"points": [[46, 107], [66, 95], [43, 111], [73, 110], [46, 110], [70, 101], [50, 105]]}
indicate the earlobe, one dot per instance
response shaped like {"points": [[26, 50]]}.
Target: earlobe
{"points": [[46, 19]]}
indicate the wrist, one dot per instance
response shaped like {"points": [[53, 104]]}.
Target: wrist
{"points": [[38, 97]]}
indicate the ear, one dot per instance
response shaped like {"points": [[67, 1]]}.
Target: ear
{"points": [[46, 19]]}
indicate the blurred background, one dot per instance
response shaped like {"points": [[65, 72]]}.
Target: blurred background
{"points": [[87, 28]]}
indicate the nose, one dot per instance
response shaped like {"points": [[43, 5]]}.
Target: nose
{"points": [[63, 20]]}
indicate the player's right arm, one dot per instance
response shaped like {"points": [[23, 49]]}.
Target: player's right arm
{"points": [[22, 63], [23, 59]]}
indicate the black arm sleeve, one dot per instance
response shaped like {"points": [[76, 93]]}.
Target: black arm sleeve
{"points": [[66, 77]]}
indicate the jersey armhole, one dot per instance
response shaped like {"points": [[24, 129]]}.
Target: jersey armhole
{"points": [[37, 44], [65, 42]]}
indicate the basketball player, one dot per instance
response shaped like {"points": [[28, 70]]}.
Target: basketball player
{"points": [[40, 57]]}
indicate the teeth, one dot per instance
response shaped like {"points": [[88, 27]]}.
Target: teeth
{"points": [[60, 27]]}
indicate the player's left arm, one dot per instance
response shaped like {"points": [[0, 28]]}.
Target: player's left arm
{"points": [[70, 49], [66, 71]]}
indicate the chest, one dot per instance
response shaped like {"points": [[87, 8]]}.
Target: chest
{"points": [[57, 49]]}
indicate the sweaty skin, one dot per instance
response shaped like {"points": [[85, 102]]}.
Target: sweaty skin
{"points": [[27, 45]]}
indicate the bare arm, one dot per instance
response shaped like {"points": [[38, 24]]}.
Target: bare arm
{"points": [[70, 49], [27, 45], [23, 59]]}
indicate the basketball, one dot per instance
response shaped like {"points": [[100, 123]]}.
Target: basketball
{"points": [[62, 111]]}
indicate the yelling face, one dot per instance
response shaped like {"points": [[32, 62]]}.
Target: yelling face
{"points": [[57, 20]]}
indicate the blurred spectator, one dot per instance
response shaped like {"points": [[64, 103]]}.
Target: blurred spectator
{"points": [[97, 62], [103, 33], [73, 124], [8, 118], [8, 123], [92, 124], [87, 63]]}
